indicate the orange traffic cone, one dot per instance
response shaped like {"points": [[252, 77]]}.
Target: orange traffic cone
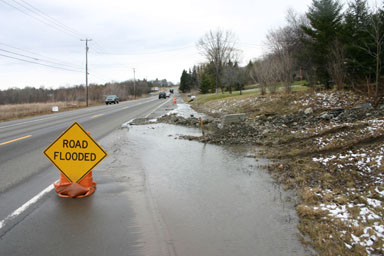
{"points": [[65, 188], [174, 100]]}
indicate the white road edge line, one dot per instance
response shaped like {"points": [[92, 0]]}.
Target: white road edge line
{"points": [[25, 206], [157, 108], [126, 124]]}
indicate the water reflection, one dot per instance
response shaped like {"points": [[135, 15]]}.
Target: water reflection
{"points": [[214, 200]]}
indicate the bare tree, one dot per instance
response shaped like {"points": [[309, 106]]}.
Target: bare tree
{"points": [[336, 64], [218, 47], [375, 47], [273, 70], [264, 72], [257, 75], [229, 75], [286, 48], [281, 43], [299, 48]]}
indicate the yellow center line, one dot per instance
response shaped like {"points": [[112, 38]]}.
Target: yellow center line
{"points": [[98, 115], [10, 141]]}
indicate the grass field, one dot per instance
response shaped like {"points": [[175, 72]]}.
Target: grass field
{"points": [[17, 111]]}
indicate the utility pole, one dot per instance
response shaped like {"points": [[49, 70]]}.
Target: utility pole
{"points": [[134, 82], [86, 66]]}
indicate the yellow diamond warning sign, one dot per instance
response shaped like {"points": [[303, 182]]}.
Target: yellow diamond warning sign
{"points": [[75, 153]]}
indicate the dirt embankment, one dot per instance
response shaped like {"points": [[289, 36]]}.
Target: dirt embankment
{"points": [[328, 147]]}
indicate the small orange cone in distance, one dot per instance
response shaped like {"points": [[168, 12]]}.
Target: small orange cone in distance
{"points": [[174, 100], [65, 188]]}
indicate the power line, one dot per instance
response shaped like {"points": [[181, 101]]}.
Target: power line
{"points": [[39, 59], [19, 49], [56, 21], [34, 62], [146, 53], [35, 13], [42, 20], [22, 55], [42, 64], [31, 11], [46, 19]]}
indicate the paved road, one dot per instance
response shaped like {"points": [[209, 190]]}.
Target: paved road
{"points": [[25, 172], [22, 141]]}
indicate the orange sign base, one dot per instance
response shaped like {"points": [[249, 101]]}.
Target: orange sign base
{"points": [[65, 188]]}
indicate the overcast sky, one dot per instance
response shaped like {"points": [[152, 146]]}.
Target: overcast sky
{"points": [[157, 38]]}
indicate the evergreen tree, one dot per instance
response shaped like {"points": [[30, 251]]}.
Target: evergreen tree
{"points": [[194, 78], [325, 23], [381, 14], [205, 83], [185, 82], [376, 48], [242, 74], [229, 75], [359, 64], [247, 71], [211, 71]]}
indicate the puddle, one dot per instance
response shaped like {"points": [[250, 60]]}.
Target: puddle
{"points": [[214, 200]]}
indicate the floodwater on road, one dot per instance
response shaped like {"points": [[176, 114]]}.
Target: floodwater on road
{"points": [[213, 200]]}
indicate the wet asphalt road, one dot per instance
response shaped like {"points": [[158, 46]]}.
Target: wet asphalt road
{"points": [[156, 195], [53, 226], [22, 158]]}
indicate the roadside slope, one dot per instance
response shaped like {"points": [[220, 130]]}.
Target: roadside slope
{"points": [[328, 147]]}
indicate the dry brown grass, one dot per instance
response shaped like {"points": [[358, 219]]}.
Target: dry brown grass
{"points": [[310, 196], [317, 185], [17, 111], [310, 212]]}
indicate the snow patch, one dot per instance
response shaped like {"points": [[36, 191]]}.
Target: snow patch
{"points": [[185, 110]]}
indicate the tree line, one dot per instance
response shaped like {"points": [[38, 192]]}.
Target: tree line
{"points": [[326, 46], [222, 70], [203, 77], [96, 92]]}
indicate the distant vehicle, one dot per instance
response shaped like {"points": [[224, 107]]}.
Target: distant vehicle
{"points": [[171, 90], [162, 95], [112, 99], [168, 94]]}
